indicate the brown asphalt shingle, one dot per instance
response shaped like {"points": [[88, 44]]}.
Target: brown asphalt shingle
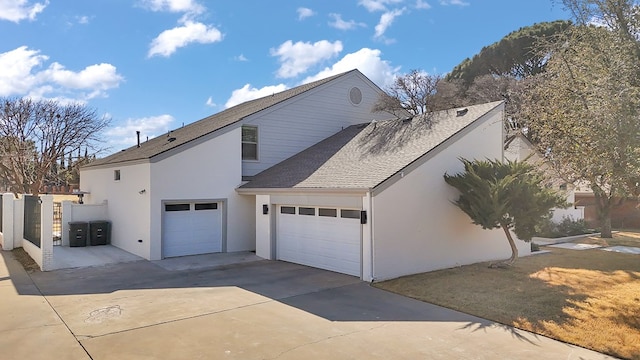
{"points": [[363, 156]]}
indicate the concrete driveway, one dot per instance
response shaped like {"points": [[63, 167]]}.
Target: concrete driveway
{"points": [[256, 310]]}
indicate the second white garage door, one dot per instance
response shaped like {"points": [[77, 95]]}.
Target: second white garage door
{"points": [[191, 228], [322, 237]]}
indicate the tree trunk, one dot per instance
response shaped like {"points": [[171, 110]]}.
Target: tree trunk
{"points": [[514, 250], [605, 224], [603, 208]]}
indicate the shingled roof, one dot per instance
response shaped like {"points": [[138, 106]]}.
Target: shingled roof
{"points": [[364, 156], [200, 128]]}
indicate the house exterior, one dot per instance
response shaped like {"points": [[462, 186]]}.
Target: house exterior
{"points": [[518, 147], [309, 176], [371, 201], [170, 195]]}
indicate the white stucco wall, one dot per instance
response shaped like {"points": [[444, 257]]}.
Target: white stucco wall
{"points": [[210, 170], [264, 226], [127, 204], [8, 201], [80, 212], [416, 228]]}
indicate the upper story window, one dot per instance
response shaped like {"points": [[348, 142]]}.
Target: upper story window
{"points": [[116, 175], [249, 143]]}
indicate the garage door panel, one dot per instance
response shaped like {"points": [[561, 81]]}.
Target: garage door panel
{"points": [[331, 243], [191, 232]]}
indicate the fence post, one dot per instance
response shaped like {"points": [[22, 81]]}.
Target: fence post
{"points": [[7, 221], [67, 216], [18, 221], [46, 231]]}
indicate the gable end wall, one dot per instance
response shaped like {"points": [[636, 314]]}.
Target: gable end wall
{"points": [[288, 128], [416, 228]]}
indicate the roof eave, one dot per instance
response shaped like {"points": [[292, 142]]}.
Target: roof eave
{"points": [[324, 191]]}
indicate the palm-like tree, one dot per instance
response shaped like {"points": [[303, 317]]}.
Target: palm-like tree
{"points": [[510, 195]]}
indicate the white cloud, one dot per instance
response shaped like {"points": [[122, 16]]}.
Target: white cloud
{"points": [[454, 2], [18, 10], [241, 58], [170, 40], [247, 93], [125, 134], [299, 57], [386, 20], [174, 6], [377, 5], [22, 75], [98, 77], [304, 13], [210, 102], [421, 4], [16, 76], [340, 24], [82, 19], [368, 61]]}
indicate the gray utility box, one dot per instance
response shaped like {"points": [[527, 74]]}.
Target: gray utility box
{"points": [[78, 233], [99, 233]]}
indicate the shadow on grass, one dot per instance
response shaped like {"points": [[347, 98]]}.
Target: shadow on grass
{"points": [[589, 298]]}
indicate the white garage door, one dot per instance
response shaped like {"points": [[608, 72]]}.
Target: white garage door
{"points": [[191, 228], [322, 237]]}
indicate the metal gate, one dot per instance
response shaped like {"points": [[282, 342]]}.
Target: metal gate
{"points": [[57, 224], [32, 221]]}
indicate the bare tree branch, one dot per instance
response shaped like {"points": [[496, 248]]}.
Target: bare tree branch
{"points": [[35, 135]]}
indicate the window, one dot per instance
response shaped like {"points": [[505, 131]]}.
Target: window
{"points": [[306, 211], [116, 175], [328, 212], [355, 96], [249, 143], [350, 214], [177, 207], [207, 206], [287, 210]]}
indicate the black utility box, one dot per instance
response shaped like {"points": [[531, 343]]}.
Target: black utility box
{"points": [[99, 233], [78, 233]]}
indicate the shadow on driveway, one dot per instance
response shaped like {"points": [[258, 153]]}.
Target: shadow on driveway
{"points": [[264, 309], [330, 295]]}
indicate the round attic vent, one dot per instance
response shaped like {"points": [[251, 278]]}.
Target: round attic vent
{"points": [[355, 96]]}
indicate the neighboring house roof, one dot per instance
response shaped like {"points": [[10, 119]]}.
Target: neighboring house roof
{"points": [[364, 156], [200, 128]]}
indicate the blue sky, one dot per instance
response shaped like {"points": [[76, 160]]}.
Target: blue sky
{"points": [[153, 65]]}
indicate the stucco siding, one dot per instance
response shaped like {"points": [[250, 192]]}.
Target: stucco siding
{"points": [[208, 171], [309, 118], [127, 207], [416, 228]]}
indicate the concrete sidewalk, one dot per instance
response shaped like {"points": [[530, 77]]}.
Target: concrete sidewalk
{"points": [[254, 310], [29, 327]]}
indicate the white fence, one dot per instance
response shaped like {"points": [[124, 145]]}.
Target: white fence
{"points": [[11, 233], [574, 213], [13, 229]]}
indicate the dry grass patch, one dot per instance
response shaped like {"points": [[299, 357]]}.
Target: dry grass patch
{"points": [[621, 238], [25, 260], [589, 298]]}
